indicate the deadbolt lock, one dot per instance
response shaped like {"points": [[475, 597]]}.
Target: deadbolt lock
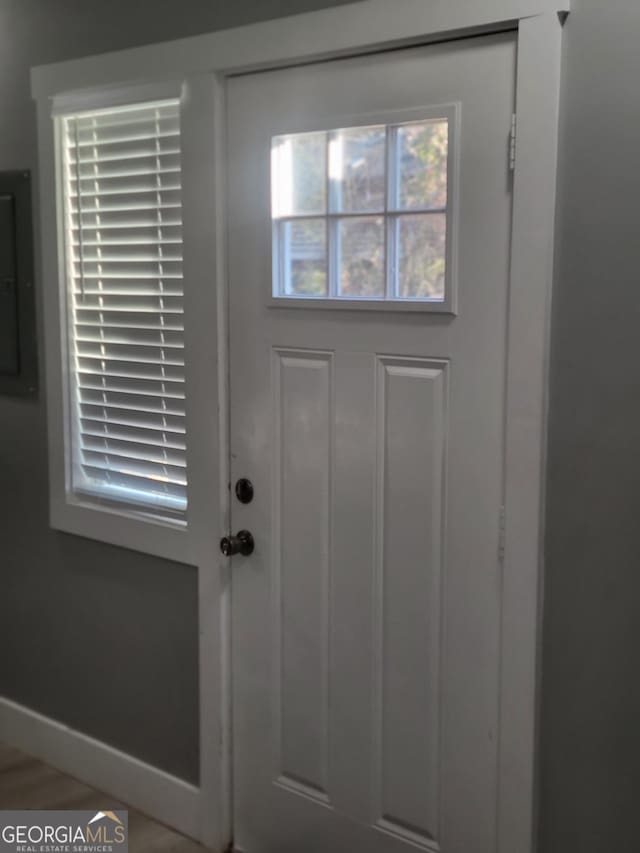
{"points": [[244, 490]]}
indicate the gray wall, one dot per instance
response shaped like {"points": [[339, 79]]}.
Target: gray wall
{"points": [[99, 638], [106, 640], [590, 762]]}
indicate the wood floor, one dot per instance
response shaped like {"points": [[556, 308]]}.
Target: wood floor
{"points": [[26, 783]]}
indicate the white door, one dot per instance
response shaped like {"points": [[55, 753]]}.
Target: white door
{"points": [[369, 205]]}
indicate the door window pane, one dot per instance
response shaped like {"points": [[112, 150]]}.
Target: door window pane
{"points": [[298, 175], [422, 165], [421, 256], [361, 213], [303, 257], [357, 169], [361, 242]]}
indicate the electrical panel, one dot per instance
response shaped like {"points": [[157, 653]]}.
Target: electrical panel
{"points": [[18, 349]]}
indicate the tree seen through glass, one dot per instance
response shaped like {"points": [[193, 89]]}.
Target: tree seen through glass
{"points": [[347, 172]]}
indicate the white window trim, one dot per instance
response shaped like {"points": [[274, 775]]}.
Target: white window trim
{"points": [[202, 63], [70, 103]]}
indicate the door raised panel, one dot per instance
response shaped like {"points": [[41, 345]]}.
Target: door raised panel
{"points": [[411, 443], [301, 548]]}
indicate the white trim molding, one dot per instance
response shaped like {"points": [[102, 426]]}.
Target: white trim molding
{"points": [[200, 65], [329, 33], [532, 254], [159, 795]]}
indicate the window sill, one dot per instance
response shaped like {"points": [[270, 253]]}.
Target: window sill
{"points": [[135, 530], [352, 304]]}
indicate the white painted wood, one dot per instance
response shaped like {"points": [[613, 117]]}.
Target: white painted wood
{"points": [[166, 798], [538, 96], [339, 617], [207, 457], [303, 420], [411, 462], [114, 96], [348, 30], [345, 30]]}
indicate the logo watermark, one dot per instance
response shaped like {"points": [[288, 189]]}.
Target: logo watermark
{"points": [[64, 832]]}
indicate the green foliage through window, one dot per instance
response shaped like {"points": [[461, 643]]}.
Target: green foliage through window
{"points": [[361, 213]]}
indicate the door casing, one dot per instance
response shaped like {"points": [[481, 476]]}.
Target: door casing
{"points": [[201, 64]]}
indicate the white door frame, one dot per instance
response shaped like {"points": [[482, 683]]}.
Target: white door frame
{"points": [[201, 64]]}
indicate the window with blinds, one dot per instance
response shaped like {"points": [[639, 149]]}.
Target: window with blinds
{"points": [[123, 226]]}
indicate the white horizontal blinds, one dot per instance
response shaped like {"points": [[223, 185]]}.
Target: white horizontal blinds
{"points": [[124, 249]]}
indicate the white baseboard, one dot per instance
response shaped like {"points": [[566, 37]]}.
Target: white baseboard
{"points": [[157, 794]]}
